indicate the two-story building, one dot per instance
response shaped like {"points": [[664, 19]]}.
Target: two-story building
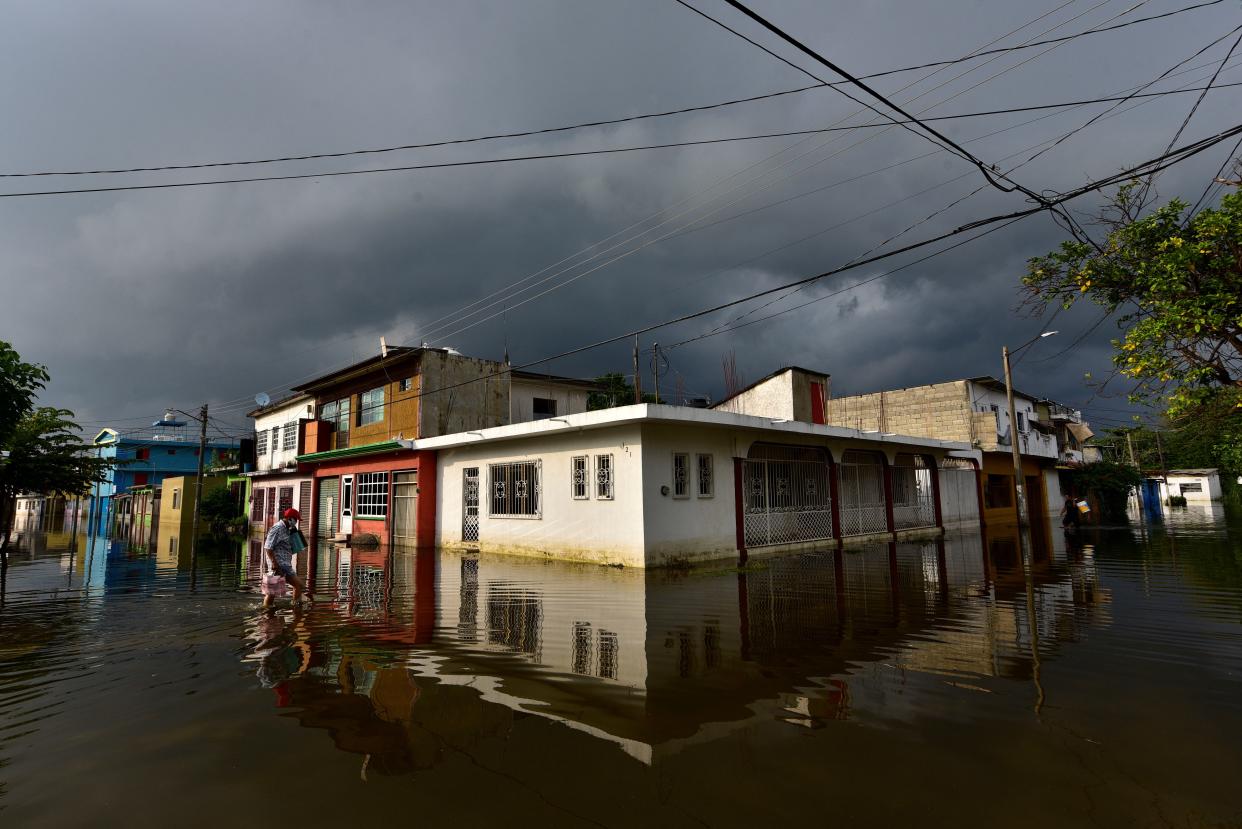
{"points": [[277, 482], [143, 459], [365, 481], [976, 411]]}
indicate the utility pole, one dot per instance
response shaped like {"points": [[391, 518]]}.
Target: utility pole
{"points": [[1130, 445], [1019, 485], [638, 375], [198, 489], [655, 369]]}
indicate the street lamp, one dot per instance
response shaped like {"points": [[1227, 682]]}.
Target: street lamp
{"points": [[1018, 485], [202, 452]]}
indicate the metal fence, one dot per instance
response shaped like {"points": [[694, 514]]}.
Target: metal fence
{"points": [[787, 497], [914, 497], [862, 493]]}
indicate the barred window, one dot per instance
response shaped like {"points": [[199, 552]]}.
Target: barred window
{"points": [[681, 475], [372, 494], [603, 477], [371, 409], [260, 443], [707, 484], [515, 490], [275, 439], [290, 438], [579, 478]]}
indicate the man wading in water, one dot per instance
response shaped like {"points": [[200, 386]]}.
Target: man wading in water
{"points": [[278, 554]]}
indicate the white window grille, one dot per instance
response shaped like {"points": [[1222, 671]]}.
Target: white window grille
{"points": [[579, 478], [289, 439], [275, 442], [260, 442], [603, 477], [681, 475], [515, 490], [707, 483], [372, 494], [371, 409]]}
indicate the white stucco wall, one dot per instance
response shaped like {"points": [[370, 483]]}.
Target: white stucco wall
{"points": [[604, 531], [303, 409], [1209, 484], [772, 398], [693, 528], [569, 399]]}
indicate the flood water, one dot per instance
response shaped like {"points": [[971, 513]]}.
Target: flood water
{"points": [[910, 684]]}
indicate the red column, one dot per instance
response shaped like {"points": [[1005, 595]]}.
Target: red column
{"points": [[739, 509], [935, 480], [425, 518]]}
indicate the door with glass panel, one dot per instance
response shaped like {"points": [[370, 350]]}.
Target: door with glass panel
{"points": [[404, 507]]}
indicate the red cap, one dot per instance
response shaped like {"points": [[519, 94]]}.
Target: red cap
{"points": [[292, 513]]}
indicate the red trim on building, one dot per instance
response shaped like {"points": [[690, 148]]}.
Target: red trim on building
{"points": [[404, 460], [888, 492], [739, 509]]}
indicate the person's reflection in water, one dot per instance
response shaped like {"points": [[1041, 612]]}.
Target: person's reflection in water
{"points": [[280, 655]]}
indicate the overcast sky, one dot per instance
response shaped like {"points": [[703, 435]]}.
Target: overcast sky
{"points": [[144, 299]]}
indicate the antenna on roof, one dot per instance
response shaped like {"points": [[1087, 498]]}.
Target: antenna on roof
{"points": [[383, 348]]}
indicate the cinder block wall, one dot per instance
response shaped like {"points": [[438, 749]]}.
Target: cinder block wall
{"points": [[940, 411]]}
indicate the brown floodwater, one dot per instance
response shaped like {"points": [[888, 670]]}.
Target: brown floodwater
{"points": [[929, 684]]}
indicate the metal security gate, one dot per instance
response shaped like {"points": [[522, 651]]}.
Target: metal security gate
{"points": [[786, 495], [862, 493], [959, 491], [404, 507], [329, 498], [914, 500], [470, 504]]}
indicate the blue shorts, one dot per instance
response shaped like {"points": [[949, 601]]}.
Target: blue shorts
{"points": [[284, 569]]}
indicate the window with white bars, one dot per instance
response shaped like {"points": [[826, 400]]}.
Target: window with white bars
{"points": [[706, 480], [579, 478], [275, 439], [681, 475], [289, 439], [260, 442], [515, 491], [372, 495], [603, 477]]}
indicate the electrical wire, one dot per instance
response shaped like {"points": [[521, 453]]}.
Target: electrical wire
{"points": [[932, 134], [438, 331]]}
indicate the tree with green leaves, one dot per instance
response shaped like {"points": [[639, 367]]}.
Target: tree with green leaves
{"points": [[1111, 484], [614, 391], [40, 449], [1175, 279]]}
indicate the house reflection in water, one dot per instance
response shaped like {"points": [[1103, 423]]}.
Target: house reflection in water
{"points": [[419, 653]]}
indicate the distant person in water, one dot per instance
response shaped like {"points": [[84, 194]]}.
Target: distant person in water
{"points": [[1069, 513], [278, 554]]}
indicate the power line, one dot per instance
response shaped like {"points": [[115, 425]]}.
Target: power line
{"points": [[947, 142], [597, 123], [687, 229], [580, 153]]}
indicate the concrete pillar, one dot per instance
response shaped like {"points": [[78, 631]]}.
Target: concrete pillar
{"points": [[739, 509], [935, 482]]}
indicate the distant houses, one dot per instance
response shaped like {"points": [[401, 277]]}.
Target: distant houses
{"points": [[428, 447]]}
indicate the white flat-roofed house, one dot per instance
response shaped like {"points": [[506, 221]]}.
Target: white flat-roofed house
{"points": [[541, 396], [1197, 486], [655, 485]]}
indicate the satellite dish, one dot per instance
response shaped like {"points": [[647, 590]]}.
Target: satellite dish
{"points": [[262, 399]]}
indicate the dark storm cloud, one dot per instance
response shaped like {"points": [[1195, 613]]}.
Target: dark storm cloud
{"points": [[146, 299]]}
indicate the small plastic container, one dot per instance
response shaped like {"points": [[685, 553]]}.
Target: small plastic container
{"points": [[274, 585]]}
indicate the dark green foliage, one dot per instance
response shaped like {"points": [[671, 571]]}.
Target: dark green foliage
{"points": [[218, 510], [615, 391], [1110, 483]]}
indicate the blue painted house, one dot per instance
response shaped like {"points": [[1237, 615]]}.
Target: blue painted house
{"points": [[166, 450]]}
